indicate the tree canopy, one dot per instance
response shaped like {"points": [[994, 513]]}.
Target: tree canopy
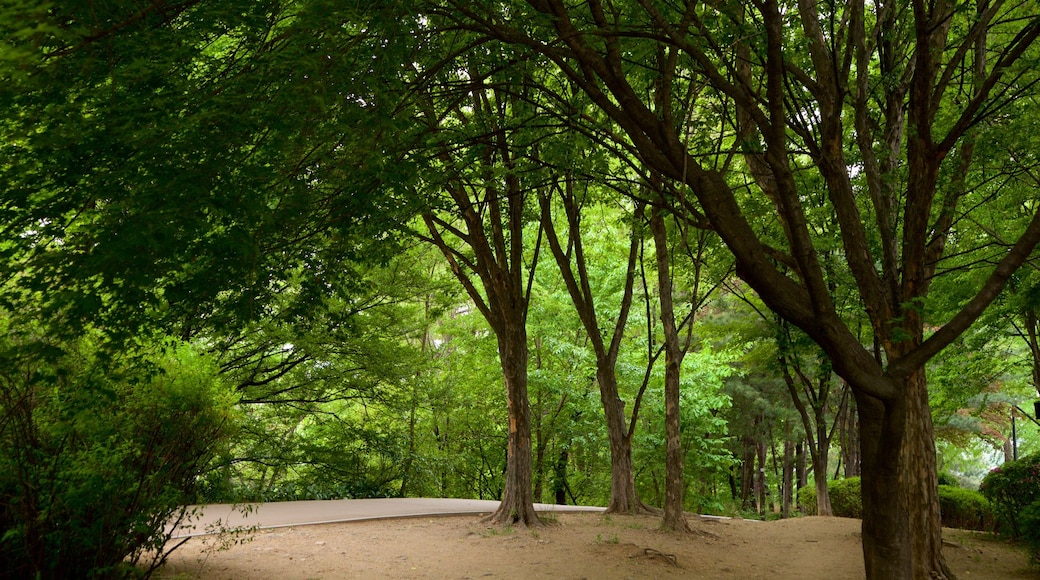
{"points": [[375, 216]]}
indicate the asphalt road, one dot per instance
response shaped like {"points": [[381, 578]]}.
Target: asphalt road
{"points": [[211, 518]]}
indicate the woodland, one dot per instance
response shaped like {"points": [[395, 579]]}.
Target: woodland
{"points": [[654, 255]]}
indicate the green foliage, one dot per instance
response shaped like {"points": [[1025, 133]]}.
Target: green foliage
{"points": [[966, 509], [705, 439], [846, 498], [1029, 522], [948, 479], [1012, 488], [96, 459], [960, 508], [806, 499], [1014, 491]]}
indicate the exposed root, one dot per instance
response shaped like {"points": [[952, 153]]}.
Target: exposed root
{"points": [[512, 518], [652, 554]]}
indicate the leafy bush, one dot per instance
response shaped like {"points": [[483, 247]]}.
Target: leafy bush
{"points": [[966, 509], [1014, 491], [960, 508], [845, 497], [1011, 488], [806, 498], [94, 461]]}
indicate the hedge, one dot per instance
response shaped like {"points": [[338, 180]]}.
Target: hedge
{"points": [[960, 508]]}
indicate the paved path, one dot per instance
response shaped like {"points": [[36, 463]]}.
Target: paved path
{"points": [[299, 513]]}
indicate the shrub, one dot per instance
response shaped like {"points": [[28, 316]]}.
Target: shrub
{"points": [[1013, 489], [845, 497], [1029, 521], [965, 508], [807, 499], [95, 460], [960, 508]]}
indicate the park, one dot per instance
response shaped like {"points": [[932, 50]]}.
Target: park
{"points": [[730, 271]]}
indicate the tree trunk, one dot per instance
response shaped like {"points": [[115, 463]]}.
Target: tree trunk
{"points": [[560, 478], [919, 483], [886, 529], [788, 472], [747, 473], [517, 505], [674, 514], [823, 496], [761, 489], [540, 440], [800, 469], [849, 436], [623, 498]]}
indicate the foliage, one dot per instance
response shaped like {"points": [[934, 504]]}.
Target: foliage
{"points": [[845, 498], [966, 509], [705, 439], [961, 508], [807, 499], [95, 460], [1013, 488]]}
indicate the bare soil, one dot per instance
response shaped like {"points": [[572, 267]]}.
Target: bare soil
{"points": [[570, 546]]}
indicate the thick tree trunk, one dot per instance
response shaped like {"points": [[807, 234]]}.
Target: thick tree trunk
{"points": [[902, 531], [517, 505], [823, 496], [886, 529], [919, 483]]}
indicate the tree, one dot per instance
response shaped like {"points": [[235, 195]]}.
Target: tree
{"points": [[481, 201], [623, 497], [795, 88]]}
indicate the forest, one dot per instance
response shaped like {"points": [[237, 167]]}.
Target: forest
{"points": [[761, 258]]}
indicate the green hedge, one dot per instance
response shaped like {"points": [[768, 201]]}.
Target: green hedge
{"points": [[960, 508], [966, 509]]}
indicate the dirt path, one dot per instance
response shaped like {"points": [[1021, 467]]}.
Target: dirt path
{"points": [[573, 546]]}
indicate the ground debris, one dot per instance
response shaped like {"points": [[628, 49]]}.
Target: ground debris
{"points": [[652, 554]]}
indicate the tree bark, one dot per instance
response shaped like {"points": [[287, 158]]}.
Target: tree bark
{"points": [[886, 529], [919, 483], [788, 472], [674, 514], [517, 505]]}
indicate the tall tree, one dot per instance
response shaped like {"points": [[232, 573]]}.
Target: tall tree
{"points": [[477, 222], [871, 99], [575, 270]]}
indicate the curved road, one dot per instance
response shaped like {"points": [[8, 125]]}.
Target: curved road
{"points": [[211, 518]]}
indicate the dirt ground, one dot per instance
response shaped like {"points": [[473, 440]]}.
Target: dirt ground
{"points": [[571, 546]]}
